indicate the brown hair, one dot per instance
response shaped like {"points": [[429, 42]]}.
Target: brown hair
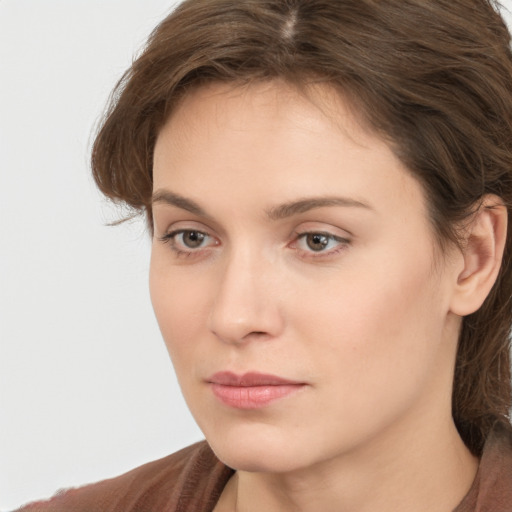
{"points": [[434, 78]]}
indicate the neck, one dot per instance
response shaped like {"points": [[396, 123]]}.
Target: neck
{"points": [[393, 473]]}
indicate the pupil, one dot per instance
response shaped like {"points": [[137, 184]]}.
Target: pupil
{"points": [[317, 242], [193, 239]]}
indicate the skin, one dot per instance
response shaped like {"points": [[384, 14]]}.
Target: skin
{"points": [[369, 323]]}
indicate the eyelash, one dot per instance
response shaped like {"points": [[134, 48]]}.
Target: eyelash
{"points": [[170, 238], [342, 244]]}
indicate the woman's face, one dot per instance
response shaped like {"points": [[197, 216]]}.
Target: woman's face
{"points": [[294, 279]]}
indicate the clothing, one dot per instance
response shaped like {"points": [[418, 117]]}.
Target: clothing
{"points": [[192, 480], [492, 489]]}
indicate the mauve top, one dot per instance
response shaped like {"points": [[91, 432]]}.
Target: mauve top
{"points": [[192, 480]]}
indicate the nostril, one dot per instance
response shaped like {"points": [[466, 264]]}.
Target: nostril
{"points": [[256, 335]]}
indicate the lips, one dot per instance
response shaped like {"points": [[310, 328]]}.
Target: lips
{"points": [[251, 390]]}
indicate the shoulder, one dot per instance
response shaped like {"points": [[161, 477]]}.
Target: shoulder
{"points": [[492, 489], [189, 479]]}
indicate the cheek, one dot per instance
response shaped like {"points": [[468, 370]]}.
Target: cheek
{"points": [[378, 328], [180, 308]]}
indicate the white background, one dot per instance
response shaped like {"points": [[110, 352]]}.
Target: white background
{"points": [[86, 387]]}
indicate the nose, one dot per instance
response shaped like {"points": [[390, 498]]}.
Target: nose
{"points": [[246, 302]]}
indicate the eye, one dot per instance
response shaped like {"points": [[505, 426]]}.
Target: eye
{"points": [[317, 241], [320, 243], [191, 239], [187, 241]]}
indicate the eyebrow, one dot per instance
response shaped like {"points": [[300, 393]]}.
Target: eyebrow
{"points": [[304, 205], [170, 198], [278, 212]]}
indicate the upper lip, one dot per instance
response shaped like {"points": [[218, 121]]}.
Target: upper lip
{"points": [[249, 379]]}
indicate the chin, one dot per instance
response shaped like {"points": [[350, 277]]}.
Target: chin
{"points": [[260, 449], [256, 459]]}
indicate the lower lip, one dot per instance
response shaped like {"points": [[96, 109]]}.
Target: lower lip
{"points": [[253, 397]]}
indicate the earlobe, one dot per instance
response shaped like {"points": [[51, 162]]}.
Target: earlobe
{"points": [[484, 243]]}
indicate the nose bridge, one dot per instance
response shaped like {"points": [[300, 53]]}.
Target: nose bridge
{"points": [[244, 303]]}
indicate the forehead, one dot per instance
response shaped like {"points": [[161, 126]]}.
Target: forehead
{"points": [[315, 105], [271, 142]]}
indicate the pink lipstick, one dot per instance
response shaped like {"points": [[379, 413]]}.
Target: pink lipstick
{"points": [[252, 390]]}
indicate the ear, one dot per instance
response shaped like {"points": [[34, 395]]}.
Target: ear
{"points": [[484, 243]]}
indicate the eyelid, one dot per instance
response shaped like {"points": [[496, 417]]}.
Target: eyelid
{"points": [[341, 239], [172, 224], [182, 250], [300, 234], [171, 234]]}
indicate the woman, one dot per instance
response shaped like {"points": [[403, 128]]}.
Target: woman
{"points": [[328, 188]]}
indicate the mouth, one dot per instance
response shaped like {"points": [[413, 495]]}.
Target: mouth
{"points": [[251, 390]]}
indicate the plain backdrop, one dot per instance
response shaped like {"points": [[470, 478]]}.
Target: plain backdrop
{"points": [[86, 386]]}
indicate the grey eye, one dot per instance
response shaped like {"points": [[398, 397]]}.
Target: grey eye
{"points": [[192, 239]]}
